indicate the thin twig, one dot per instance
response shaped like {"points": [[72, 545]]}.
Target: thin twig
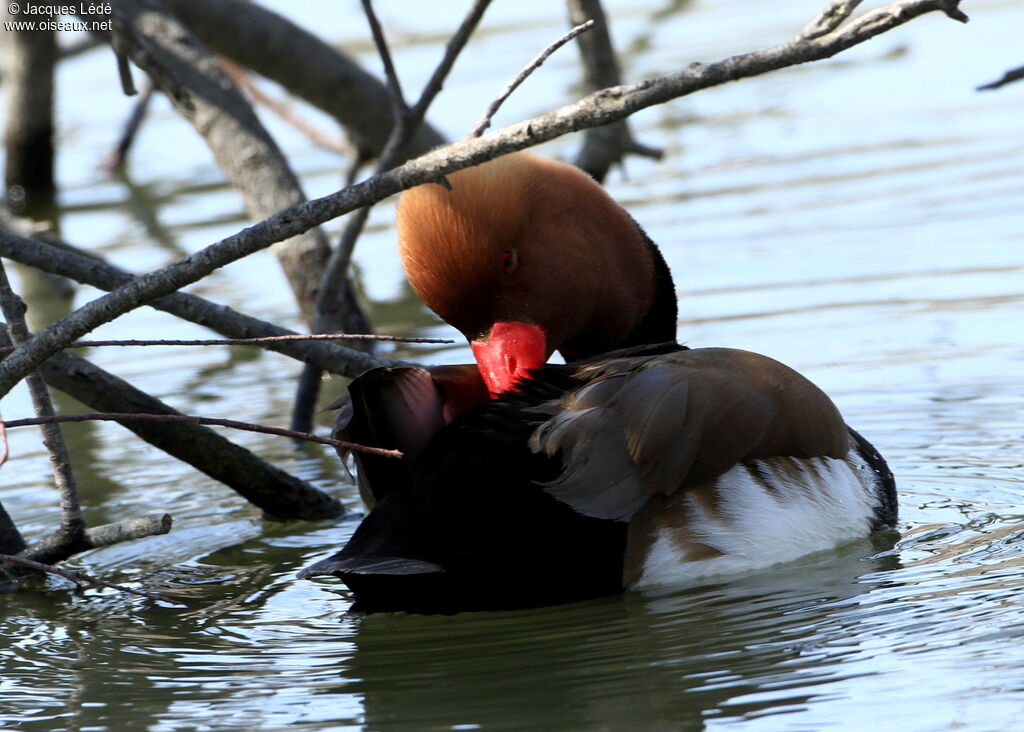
{"points": [[485, 120], [4, 447], [249, 341], [394, 84], [210, 421], [451, 52], [131, 128], [71, 522], [281, 109], [78, 577]]}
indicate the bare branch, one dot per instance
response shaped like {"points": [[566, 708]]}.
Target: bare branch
{"points": [[211, 421], [81, 577], [607, 105], [485, 120], [128, 530], [71, 522], [202, 92], [1008, 78], [63, 259], [451, 52], [55, 547]]}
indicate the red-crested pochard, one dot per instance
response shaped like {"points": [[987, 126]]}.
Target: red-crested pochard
{"points": [[639, 462]]}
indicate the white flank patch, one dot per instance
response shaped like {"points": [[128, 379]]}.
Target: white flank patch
{"points": [[756, 528]]}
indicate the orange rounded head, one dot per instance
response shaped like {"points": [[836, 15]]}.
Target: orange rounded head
{"points": [[526, 256]]}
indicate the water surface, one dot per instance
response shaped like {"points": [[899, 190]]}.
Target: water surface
{"points": [[859, 219]]}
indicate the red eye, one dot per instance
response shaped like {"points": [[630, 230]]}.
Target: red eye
{"points": [[508, 260]]}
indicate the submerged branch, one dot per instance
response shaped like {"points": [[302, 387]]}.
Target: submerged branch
{"points": [[606, 145], [80, 578]]}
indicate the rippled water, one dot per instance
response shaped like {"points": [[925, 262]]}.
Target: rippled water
{"points": [[860, 219]]}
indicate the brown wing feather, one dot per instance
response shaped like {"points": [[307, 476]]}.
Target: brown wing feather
{"points": [[660, 424]]}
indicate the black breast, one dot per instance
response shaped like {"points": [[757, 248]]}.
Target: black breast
{"points": [[471, 530]]}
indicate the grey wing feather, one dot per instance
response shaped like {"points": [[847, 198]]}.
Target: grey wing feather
{"points": [[369, 565]]}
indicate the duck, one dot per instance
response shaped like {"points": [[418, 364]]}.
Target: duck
{"points": [[639, 462]]}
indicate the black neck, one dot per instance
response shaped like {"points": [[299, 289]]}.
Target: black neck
{"points": [[659, 325]]}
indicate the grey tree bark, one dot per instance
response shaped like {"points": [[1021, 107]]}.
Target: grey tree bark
{"points": [[192, 78]]}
